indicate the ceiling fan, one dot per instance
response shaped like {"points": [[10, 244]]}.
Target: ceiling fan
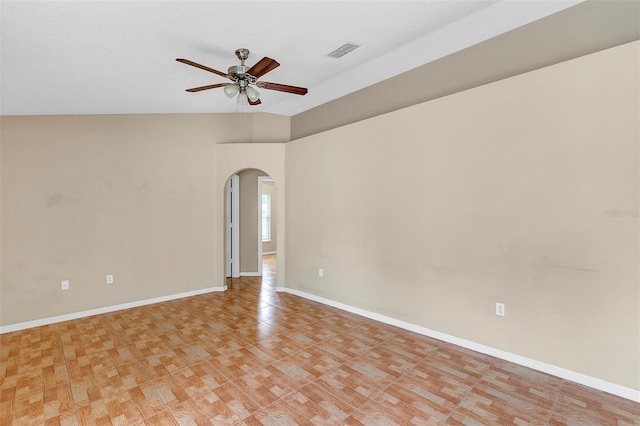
{"points": [[243, 78]]}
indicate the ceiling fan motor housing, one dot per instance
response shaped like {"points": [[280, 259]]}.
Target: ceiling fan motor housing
{"points": [[238, 70], [238, 74]]}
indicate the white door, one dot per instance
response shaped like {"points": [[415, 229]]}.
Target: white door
{"points": [[232, 218]]}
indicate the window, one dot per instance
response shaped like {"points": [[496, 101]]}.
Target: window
{"points": [[266, 217]]}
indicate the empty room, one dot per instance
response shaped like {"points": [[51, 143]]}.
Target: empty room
{"points": [[320, 212]]}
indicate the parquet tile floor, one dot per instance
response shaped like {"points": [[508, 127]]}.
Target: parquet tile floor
{"points": [[252, 356]]}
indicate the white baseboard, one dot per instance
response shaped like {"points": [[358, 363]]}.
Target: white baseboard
{"points": [[583, 379], [76, 315], [250, 274], [269, 252]]}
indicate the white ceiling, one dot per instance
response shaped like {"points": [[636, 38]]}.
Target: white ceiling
{"points": [[118, 57]]}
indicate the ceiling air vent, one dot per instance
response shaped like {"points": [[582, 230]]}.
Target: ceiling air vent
{"points": [[343, 50]]}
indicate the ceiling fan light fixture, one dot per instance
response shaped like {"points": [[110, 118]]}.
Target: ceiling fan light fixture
{"points": [[231, 90], [252, 93], [242, 99]]}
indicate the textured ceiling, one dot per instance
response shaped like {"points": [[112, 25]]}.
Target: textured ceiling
{"points": [[118, 57]]}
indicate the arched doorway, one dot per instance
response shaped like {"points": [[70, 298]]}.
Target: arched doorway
{"points": [[250, 222]]}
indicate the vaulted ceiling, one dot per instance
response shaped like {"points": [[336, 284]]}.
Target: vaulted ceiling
{"points": [[118, 57]]}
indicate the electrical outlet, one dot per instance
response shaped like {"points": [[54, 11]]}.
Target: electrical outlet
{"points": [[109, 279], [64, 285], [320, 272], [500, 309]]}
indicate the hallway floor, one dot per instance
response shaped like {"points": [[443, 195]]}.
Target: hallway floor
{"points": [[253, 356]]}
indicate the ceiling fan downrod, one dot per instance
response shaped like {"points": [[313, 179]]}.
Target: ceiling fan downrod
{"points": [[239, 72]]}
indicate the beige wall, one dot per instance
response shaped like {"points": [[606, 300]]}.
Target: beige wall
{"points": [[434, 213], [135, 196], [271, 128], [271, 246]]}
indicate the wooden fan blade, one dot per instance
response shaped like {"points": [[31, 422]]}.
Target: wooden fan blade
{"points": [[202, 67], [257, 102], [282, 87], [211, 86], [263, 66]]}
